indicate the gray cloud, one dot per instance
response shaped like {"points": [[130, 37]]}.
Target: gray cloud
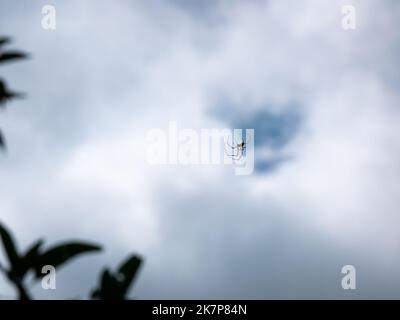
{"points": [[76, 161]]}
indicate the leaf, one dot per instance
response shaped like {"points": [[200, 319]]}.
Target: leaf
{"points": [[108, 288], [12, 55], [129, 270], [9, 247], [6, 94], [30, 259], [33, 251], [60, 254], [4, 40], [114, 286], [2, 141]]}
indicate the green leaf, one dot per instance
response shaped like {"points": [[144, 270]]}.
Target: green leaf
{"points": [[60, 254], [9, 247], [128, 270]]}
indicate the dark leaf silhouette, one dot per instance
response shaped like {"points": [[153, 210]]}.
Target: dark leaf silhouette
{"points": [[2, 141], [108, 287], [34, 259], [111, 286], [29, 259], [12, 55], [4, 40], [9, 246], [115, 286], [60, 254], [128, 270], [33, 251], [6, 94]]}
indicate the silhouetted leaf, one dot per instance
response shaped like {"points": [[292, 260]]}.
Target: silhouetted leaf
{"points": [[4, 40], [9, 246], [12, 55], [114, 286], [108, 287], [6, 94], [33, 251], [29, 260], [2, 141], [129, 269], [58, 255]]}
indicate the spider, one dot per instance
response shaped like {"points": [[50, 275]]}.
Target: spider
{"points": [[237, 150]]}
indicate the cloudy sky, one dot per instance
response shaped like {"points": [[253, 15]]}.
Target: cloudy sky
{"points": [[324, 103]]}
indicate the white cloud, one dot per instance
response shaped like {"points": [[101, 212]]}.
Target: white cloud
{"points": [[107, 76]]}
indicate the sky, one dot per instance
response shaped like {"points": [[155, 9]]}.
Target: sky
{"points": [[323, 101]]}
